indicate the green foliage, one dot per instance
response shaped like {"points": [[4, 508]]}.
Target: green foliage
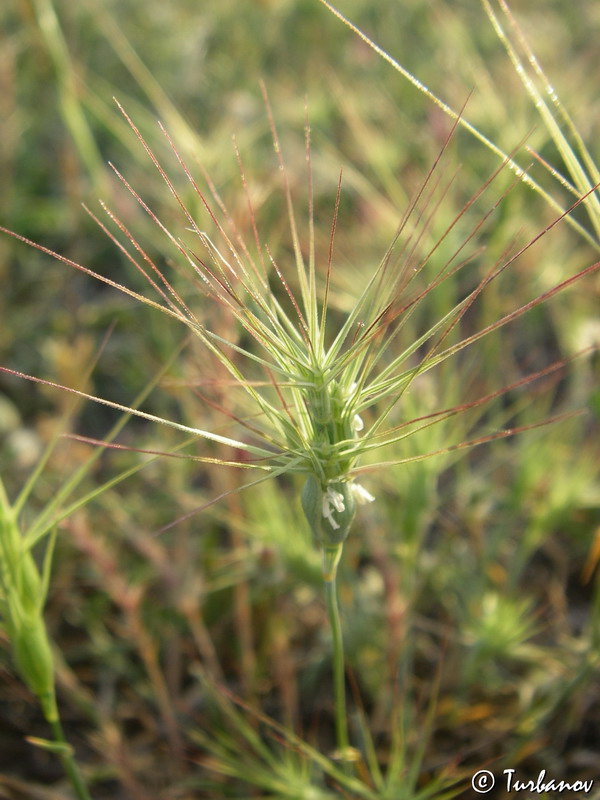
{"points": [[468, 597]]}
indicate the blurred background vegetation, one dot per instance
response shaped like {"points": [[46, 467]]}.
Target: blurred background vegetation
{"points": [[469, 595]]}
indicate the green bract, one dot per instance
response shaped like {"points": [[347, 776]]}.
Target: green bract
{"points": [[34, 660], [330, 510], [23, 597]]}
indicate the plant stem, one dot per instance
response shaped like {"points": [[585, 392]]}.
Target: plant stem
{"points": [[68, 761], [331, 557]]}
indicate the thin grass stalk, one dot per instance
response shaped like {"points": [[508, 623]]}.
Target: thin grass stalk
{"points": [[576, 165], [70, 766], [513, 165], [331, 559], [72, 111]]}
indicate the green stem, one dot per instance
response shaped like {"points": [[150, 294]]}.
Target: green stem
{"points": [[68, 761], [331, 557]]}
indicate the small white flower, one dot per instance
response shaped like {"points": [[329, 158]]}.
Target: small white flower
{"points": [[361, 494], [335, 499]]}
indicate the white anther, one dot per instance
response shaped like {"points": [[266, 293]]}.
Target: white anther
{"points": [[335, 499], [357, 423], [361, 495]]}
